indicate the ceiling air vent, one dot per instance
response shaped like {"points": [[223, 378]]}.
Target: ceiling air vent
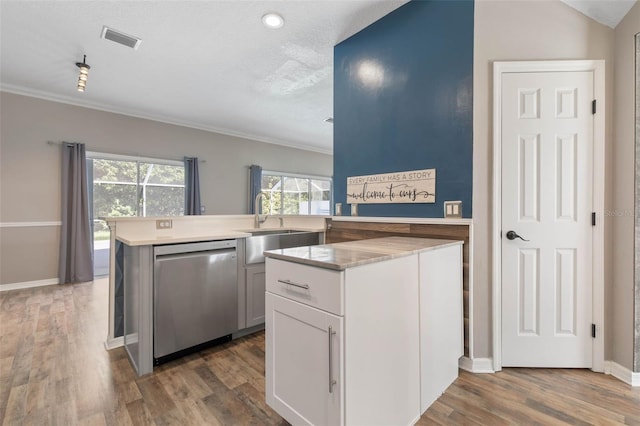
{"points": [[120, 37]]}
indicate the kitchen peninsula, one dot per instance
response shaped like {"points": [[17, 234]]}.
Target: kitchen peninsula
{"points": [[156, 262], [362, 332]]}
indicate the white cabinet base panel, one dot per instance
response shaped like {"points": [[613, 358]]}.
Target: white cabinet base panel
{"points": [[441, 328]]}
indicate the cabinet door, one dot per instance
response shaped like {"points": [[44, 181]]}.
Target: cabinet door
{"points": [[304, 362], [255, 294]]}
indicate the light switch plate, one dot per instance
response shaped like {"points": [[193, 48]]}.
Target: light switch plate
{"points": [[453, 209]]}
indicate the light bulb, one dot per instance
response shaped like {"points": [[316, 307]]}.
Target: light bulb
{"points": [[273, 20]]}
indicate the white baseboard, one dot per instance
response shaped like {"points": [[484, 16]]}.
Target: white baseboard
{"points": [[476, 365], [485, 365], [28, 284], [116, 342], [622, 373]]}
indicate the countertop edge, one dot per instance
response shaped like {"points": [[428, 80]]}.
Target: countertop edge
{"points": [[131, 241], [418, 220], [178, 239], [379, 257], [310, 262]]}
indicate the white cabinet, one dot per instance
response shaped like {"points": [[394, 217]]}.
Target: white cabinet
{"points": [[304, 354], [255, 282], [373, 356], [441, 323]]}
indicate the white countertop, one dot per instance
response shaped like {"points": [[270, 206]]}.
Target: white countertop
{"points": [[340, 256], [140, 239]]}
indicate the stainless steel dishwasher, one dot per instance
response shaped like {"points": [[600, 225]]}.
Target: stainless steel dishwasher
{"points": [[194, 296]]}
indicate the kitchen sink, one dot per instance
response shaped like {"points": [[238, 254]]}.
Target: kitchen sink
{"points": [[271, 239]]}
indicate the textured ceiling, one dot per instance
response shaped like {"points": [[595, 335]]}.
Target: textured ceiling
{"points": [[204, 64], [607, 12]]}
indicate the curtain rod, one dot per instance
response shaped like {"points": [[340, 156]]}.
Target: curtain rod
{"points": [[132, 154]]}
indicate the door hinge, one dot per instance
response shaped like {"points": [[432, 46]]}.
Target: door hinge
{"points": [[593, 331], [593, 218], [593, 106]]}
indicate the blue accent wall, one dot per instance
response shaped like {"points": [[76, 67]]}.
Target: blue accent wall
{"points": [[403, 101]]}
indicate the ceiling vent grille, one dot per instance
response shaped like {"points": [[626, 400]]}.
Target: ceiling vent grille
{"points": [[120, 38]]}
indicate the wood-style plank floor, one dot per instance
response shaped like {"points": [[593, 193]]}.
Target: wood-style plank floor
{"points": [[54, 370]]}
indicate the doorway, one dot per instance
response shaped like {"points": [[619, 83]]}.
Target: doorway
{"points": [[548, 285]]}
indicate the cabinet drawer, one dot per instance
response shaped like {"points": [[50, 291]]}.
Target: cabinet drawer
{"points": [[317, 287]]}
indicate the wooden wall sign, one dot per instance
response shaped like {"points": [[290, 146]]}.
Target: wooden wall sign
{"points": [[416, 186]]}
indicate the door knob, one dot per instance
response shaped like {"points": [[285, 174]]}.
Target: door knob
{"points": [[511, 235]]}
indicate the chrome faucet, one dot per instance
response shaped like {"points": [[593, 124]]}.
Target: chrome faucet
{"points": [[256, 210]]}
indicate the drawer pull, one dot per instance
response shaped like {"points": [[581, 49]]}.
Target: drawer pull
{"points": [[287, 282], [331, 381]]}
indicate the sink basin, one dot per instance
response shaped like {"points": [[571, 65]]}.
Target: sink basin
{"points": [[271, 239]]}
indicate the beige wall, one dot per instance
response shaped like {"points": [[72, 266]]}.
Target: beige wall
{"points": [[509, 31], [623, 172], [30, 176]]}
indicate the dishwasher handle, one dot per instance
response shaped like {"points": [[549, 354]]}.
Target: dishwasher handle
{"points": [[192, 254], [193, 247]]}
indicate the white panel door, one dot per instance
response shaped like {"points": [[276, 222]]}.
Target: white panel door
{"points": [[547, 163]]}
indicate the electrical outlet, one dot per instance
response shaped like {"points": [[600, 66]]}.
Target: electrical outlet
{"points": [[452, 209], [164, 224]]}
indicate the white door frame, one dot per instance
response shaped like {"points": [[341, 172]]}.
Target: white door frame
{"points": [[597, 67]]}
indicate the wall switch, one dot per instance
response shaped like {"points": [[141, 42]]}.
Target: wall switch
{"points": [[452, 209], [164, 224]]}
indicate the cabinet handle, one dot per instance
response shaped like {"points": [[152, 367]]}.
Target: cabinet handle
{"points": [[287, 282], [331, 381]]}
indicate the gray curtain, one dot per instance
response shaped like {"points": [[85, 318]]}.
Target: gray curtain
{"points": [[255, 185], [76, 254], [191, 186]]}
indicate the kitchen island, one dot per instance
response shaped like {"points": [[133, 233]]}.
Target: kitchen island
{"points": [[362, 332]]}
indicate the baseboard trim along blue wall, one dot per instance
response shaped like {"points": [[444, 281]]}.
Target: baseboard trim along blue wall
{"points": [[403, 100]]}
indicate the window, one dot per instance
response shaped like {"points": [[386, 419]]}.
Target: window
{"points": [[295, 194], [130, 186]]}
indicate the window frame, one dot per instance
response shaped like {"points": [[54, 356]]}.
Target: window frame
{"points": [[309, 178], [140, 206]]}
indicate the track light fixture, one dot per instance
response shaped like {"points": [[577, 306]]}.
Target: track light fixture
{"points": [[84, 73]]}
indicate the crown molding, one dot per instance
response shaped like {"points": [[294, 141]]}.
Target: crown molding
{"points": [[24, 91]]}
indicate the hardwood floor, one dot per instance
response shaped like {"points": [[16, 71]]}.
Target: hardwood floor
{"points": [[54, 370]]}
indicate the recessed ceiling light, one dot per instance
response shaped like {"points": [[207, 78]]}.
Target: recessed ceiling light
{"points": [[273, 20]]}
